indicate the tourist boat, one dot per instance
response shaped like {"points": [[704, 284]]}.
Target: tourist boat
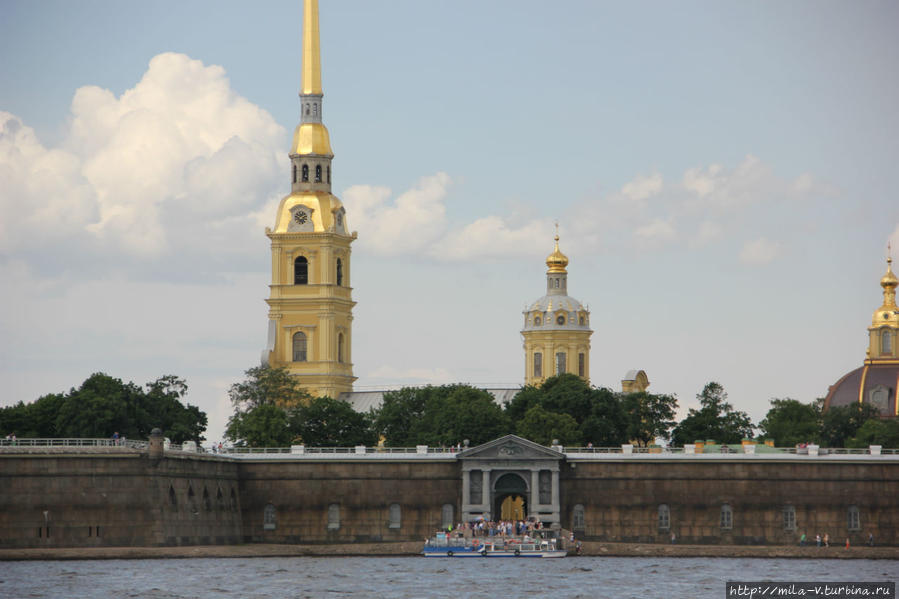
{"points": [[443, 545]]}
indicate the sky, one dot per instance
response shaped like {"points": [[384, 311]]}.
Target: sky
{"points": [[723, 175]]}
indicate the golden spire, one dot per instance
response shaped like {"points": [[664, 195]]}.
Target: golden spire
{"points": [[557, 261], [312, 62], [889, 283]]}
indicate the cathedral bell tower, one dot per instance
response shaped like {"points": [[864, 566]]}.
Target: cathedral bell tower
{"points": [[310, 304], [556, 328]]}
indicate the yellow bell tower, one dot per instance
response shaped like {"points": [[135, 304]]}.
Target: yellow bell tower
{"points": [[556, 328], [883, 334], [310, 304]]}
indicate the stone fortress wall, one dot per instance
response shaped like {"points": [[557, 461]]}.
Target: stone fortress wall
{"points": [[121, 497]]}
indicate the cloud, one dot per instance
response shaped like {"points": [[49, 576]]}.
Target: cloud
{"points": [[759, 251], [177, 157], [642, 188], [491, 237], [656, 233], [411, 223]]}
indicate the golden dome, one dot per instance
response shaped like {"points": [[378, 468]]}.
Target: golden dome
{"points": [[557, 261], [889, 279], [311, 138]]}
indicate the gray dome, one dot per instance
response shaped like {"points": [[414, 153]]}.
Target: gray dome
{"points": [[543, 314]]}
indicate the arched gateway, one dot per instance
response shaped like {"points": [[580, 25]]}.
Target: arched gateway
{"points": [[511, 478]]}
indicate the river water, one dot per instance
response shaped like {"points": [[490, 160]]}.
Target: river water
{"points": [[413, 577]]}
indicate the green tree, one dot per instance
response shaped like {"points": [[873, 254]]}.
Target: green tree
{"points": [[542, 426], [606, 423], [267, 386], [790, 422], [649, 416], [840, 424], [439, 415], [715, 419], [265, 425], [101, 406], [326, 422], [877, 431], [165, 410]]}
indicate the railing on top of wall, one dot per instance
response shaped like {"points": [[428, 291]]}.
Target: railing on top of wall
{"points": [[759, 450]]}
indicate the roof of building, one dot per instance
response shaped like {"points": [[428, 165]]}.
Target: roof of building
{"points": [[874, 384]]}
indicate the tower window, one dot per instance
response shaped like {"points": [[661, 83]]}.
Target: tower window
{"points": [[334, 516], [315, 110], [560, 319], [318, 173], [664, 517], [301, 271], [581, 320], [294, 173], [581, 365], [299, 347], [789, 518], [854, 522], [305, 173], [727, 517], [537, 321], [269, 518], [886, 342], [340, 348], [560, 363], [577, 518], [329, 175], [538, 364], [395, 518], [307, 108], [339, 272]]}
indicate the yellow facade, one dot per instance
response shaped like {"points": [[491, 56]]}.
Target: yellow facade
{"points": [[310, 302], [556, 328], [883, 334]]}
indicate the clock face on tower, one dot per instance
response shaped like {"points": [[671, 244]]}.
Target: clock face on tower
{"points": [[301, 217]]}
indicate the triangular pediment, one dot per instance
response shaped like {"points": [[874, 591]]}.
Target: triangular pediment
{"points": [[510, 447]]}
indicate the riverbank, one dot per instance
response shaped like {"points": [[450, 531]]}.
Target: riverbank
{"points": [[414, 548]]}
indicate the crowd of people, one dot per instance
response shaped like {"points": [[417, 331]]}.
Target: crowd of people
{"points": [[502, 528]]}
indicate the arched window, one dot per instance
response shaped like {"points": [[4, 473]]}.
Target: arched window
{"points": [[340, 348], [318, 173], [854, 521], [300, 271], [172, 499], [315, 110], [305, 173], [538, 321], [268, 518], [560, 320], [294, 173], [886, 342], [233, 500], [307, 108], [581, 320], [395, 516], [446, 515], [789, 518], [219, 499], [538, 364], [577, 518], [334, 516], [207, 504], [560, 363], [727, 517], [581, 365], [339, 272], [299, 347], [329, 175], [664, 517]]}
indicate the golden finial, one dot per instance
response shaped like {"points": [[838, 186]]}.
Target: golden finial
{"points": [[312, 64], [557, 261]]}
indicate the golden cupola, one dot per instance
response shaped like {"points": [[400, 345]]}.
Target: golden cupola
{"points": [[888, 313], [557, 261]]}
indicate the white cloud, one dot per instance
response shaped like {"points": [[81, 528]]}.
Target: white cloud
{"points": [[411, 223], [177, 156], [491, 237], [759, 251], [709, 232], [642, 188], [655, 233]]}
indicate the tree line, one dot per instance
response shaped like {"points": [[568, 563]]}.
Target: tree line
{"points": [[271, 409], [103, 406]]}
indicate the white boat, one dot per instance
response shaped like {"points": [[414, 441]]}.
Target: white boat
{"points": [[443, 545]]}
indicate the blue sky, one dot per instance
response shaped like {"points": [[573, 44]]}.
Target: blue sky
{"points": [[722, 174]]}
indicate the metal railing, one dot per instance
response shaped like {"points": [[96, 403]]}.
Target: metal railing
{"points": [[296, 450]]}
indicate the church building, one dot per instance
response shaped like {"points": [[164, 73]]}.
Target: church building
{"points": [[310, 302], [876, 381]]}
